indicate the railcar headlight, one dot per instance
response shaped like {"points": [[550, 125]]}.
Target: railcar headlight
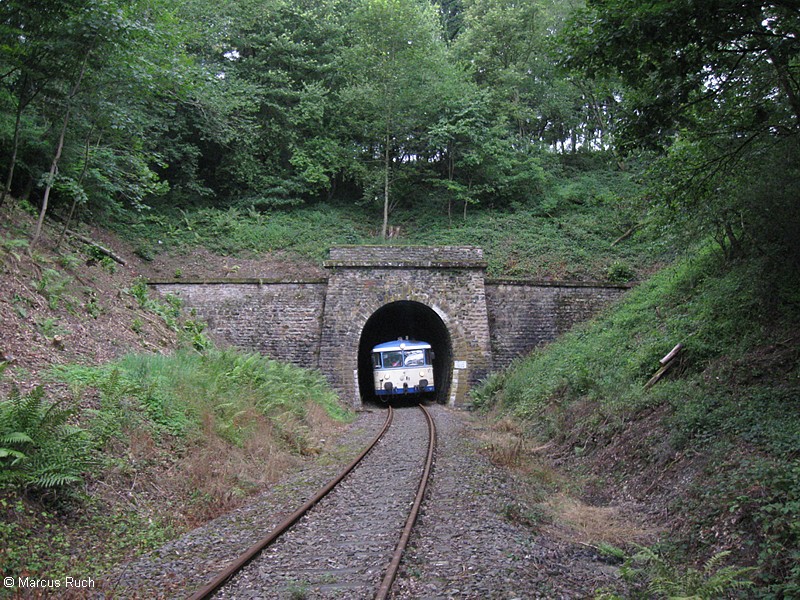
{"points": [[422, 373]]}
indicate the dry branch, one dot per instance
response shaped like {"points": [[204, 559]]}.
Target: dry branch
{"points": [[672, 354], [102, 249], [625, 235]]}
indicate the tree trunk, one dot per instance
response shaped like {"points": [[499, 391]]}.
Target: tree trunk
{"points": [[80, 182], [50, 179], [22, 103], [54, 165], [12, 165], [386, 190], [451, 169], [102, 249]]}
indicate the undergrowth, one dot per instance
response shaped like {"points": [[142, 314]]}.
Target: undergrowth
{"points": [[39, 448], [206, 429], [187, 393], [585, 225], [729, 407]]}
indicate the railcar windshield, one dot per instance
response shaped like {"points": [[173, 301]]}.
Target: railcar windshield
{"points": [[400, 358], [415, 358], [393, 359]]}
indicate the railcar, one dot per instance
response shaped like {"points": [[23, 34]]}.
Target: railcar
{"points": [[402, 367]]}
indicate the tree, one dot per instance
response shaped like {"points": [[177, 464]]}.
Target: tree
{"points": [[86, 37], [478, 161], [715, 87], [274, 61], [499, 41], [396, 59], [108, 75], [685, 57], [452, 15], [513, 52], [35, 52]]}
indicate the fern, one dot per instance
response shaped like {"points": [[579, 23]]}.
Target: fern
{"points": [[667, 581], [38, 447], [7, 449]]}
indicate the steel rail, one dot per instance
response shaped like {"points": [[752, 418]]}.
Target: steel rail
{"points": [[394, 565], [237, 565]]}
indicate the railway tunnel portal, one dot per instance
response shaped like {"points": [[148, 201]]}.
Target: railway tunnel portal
{"points": [[374, 294], [377, 294], [406, 319]]}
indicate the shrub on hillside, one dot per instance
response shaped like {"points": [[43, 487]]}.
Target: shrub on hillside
{"points": [[38, 446]]}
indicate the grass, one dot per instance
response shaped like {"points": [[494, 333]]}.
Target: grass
{"points": [[576, 245], [186, 393], [730, 405], [200, 432]]}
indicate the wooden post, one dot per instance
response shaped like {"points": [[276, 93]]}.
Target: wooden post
{"points": [[666, 364]]}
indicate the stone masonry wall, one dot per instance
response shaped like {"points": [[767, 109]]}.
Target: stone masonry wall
{"points": [[488, 322], [399, 256], [448, 280], [523, 315], [282, 320]]}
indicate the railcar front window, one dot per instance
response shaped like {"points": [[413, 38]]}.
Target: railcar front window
{"points": [[393, 359], [415, 358], [376, 360]]}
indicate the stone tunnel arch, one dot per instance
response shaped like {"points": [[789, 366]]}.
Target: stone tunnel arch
{"points": [[378, 293], [417, 321]]}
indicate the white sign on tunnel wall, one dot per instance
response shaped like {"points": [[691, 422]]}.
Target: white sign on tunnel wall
{"points": [[460, 364]]}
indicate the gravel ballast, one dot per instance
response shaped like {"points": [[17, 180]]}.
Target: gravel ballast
{"points": [[464, 544]]}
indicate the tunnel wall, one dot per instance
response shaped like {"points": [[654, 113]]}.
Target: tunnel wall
{"points": [[319, 323], [281, 319], [523, 315]]}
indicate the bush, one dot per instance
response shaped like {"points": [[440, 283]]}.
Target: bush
{"points": [[38, 447], [663, 579], [176, 394]]}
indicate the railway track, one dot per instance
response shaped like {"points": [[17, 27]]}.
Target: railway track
{"points": [[349, 538]]}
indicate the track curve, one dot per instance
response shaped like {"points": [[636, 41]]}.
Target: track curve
{"points": [[341, 547]]}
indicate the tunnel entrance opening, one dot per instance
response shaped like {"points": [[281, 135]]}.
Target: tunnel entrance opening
{"points": [[418, 322]]}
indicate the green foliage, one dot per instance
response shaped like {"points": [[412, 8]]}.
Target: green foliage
{"points": [[38, 447], [193, 335], [732, 65], [171, 394], [760, 495], [732, 395], [396, 76], [571, 226], [619, 272], [169, 309], [49, 539], [50, 327], [69, 261], [485, 394], [665, 580], [13, 246], [52, 286], [697, 302], [724, 116]]}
